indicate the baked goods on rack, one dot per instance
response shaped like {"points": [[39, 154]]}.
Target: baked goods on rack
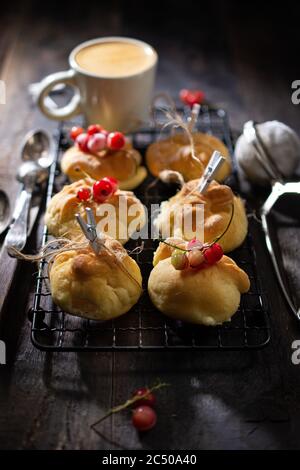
{"points": [[96, 286], [94, 277], [175, 153], [124, 215], [219, 203], [103, 154], [196, 283]]}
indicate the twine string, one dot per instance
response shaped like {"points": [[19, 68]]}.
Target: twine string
{"points": [[62, 245]]}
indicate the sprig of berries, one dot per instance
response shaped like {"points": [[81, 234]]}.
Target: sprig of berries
{"points": [[142, 402], [144, 416], [101, 190], [191, 97], [96, 138], [196, 254]]}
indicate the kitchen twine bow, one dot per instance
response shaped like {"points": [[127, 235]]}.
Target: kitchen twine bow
{"points": [[175, 120], [61, 245]]}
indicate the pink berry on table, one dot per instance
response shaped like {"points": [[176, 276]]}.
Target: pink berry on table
{"points": [[97, 142], [84, 194], [115, 140], [94, 129], [144, 418], [213, 254], [82, 141], [149, 397]]}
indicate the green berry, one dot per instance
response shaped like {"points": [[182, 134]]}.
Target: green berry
{"points": [[179, 259]]}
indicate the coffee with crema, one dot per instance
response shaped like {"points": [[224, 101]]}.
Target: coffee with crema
{"points": [[113, 80], [115, 59]]}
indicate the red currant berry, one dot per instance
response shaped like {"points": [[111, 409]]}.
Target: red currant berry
{"points": [[97, 142], [113, 181], [75, 132], [82, 141], [144, 418], [84, 194], [213, 254], [148, 400], [94, 128], [115, 140], [104, 188], [191, 97]]}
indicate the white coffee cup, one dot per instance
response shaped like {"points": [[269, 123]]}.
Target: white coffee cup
{"points": [[116, 93]]}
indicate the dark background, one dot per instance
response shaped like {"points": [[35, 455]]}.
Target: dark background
{"points": [[244, 55]]}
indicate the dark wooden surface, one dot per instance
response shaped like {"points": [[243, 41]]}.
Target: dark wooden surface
{"points": [[247, 400]]}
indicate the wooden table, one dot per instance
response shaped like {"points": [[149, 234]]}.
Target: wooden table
{"points": [[247, 400]]}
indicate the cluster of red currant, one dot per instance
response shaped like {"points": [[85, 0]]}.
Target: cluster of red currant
{"points": [[144, 416], [191, 97], [142, 403], [100, 191], [197, 255], [96, 138]]}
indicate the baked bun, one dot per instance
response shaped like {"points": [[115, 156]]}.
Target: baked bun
{"points": [[99, 287], [208, 296], [61, 210], [174, 154], [124, 165], [217, 200]]}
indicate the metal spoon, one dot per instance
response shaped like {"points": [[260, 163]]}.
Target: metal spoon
{"points": [[37, 151], [38, 146]]}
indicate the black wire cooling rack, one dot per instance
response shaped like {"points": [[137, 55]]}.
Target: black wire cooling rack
{"points": [[144, 327]]}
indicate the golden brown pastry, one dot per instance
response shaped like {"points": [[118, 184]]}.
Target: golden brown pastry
{"points": [[99, 287], [60, 213], [174, 154], [124, 165], [208, 296], [218, 201]]}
